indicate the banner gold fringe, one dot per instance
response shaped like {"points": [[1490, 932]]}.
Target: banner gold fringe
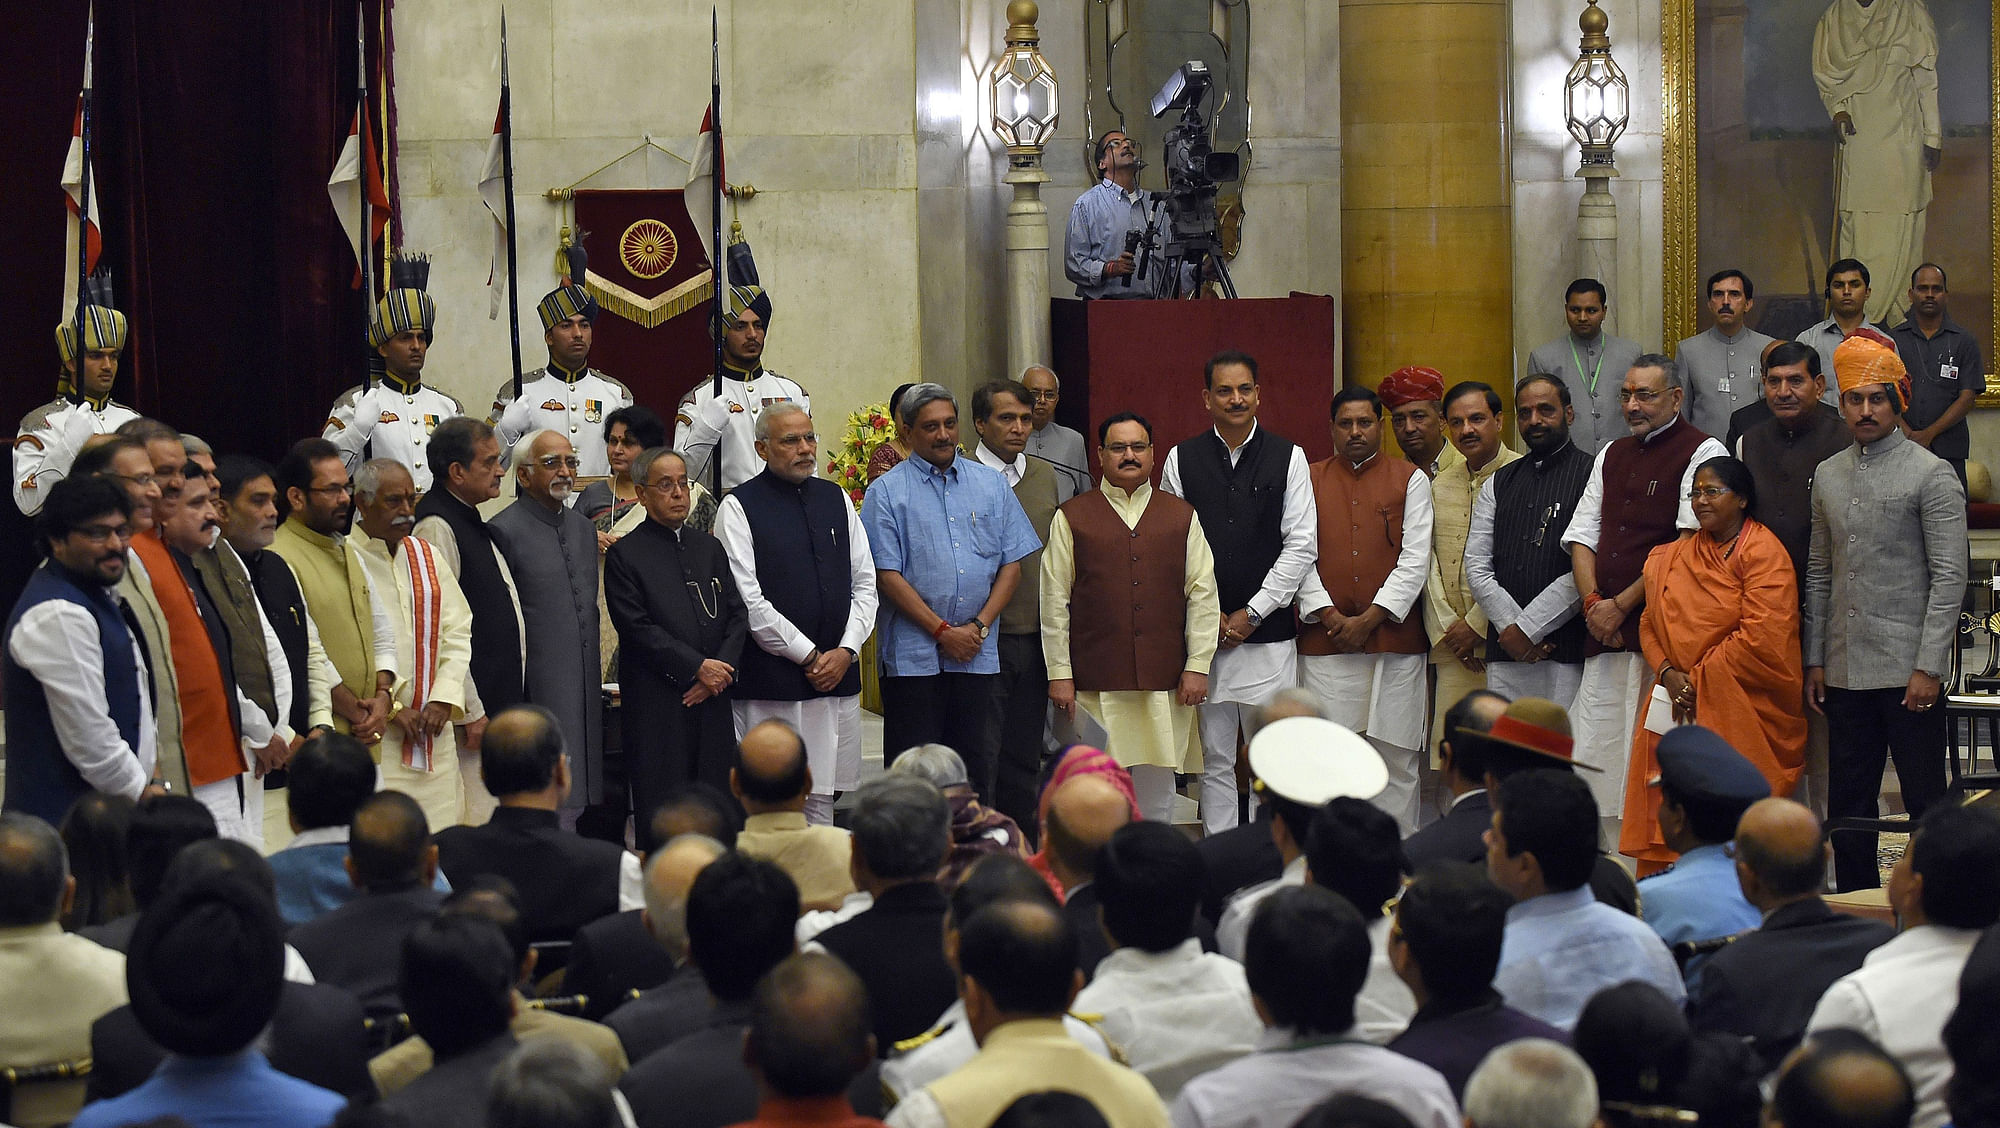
{"points": [[649, 313]]}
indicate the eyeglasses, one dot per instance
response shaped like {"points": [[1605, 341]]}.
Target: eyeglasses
{"points": [[1127, 448], [1639, 397], [559, 462], [792, 442], [99, 534], [669, 485], [1708, 493], [342, 489], [1046, 396], [139, 480]]}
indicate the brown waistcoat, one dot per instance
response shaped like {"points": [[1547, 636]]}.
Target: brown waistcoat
{"points": [[1360, 534], [1642, 503], [1128, 606]]}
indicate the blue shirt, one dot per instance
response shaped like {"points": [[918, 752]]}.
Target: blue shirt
{"points": [[1698, 899], [948, 533], [1098, 222], [239, 1090], [312, 878], [1562, 948]]}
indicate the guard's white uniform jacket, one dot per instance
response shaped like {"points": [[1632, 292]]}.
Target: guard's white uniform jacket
{"points": [[51, 437], [573, 403], [397, 422], [705, 420]]}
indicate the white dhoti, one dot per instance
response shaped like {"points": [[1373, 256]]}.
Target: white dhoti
{"points": [[238, 806], [831, 730], [1240, 681], [277, 819], [1151, 735], [1552, 681], [476, 804], [1380, 696], [1615, 686]]}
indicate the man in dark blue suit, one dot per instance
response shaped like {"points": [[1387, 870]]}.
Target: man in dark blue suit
{"points": [[1456, 836]]}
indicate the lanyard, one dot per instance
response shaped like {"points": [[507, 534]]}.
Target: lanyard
{"points": [[1578, 361]]}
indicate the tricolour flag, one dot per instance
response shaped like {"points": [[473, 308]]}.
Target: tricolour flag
{"points": [[493, 193], [704, 173], [85, 231], [344, 189]]}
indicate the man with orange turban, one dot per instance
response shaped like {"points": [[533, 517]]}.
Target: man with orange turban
{"points": [[1884, 579]]}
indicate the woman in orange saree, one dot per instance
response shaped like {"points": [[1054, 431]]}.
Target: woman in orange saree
{"points": [[1721, 627]]}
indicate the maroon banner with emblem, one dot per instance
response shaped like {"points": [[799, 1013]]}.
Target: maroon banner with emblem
{"points": [[651, 279]]}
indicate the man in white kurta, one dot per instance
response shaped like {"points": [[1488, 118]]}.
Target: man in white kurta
{"points": [[566, 396], [1875, 63], [1151, 730], [433, 642], [394, 417], [716, 430]]}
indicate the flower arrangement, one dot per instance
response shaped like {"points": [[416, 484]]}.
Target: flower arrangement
{"points": [[848, 465]]}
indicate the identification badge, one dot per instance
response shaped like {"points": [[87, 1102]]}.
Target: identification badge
{"points": [[1947, 371], [1723, 385]]}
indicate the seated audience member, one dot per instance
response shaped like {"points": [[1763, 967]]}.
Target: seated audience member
{"points": [[329, 777], [808, 1041], [1705, 786], [1459, 835], [393, 863], [1082, 815], [1306, 958], [1946, 889], [93, 834], [773, 781], [1173, 1009], [493, 899], [1446, 946], [1355, 849], [739, 925], [1018, 976], [949, 1043], [1531, 1083], [53, 985], [1350, 1111], [318, 1034], [1644, 1056], [565, 880], [1765, 985], [1051, 1108], [1245, 854], [680, 1005], [1841, 1079], [206, 972], [457, 978], [1972, 1039], [161, 826], [550, 1083], [976, 829], [1562, 944], [614, 957], [901, 828]]}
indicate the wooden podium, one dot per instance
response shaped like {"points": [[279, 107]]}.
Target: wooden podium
{"points": [[1147, 356]]}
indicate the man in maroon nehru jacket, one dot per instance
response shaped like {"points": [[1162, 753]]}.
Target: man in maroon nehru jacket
{"points": [[1636, 500]]}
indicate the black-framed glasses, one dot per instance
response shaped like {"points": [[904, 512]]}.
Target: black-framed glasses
{"points": [[340, 489], [99, 534]]}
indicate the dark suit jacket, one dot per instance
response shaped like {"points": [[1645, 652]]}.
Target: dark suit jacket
{"points": [[1091, 945], [1460, 837], [359, 946], [701, 1082], [1236, 859], [611, 958], [565, 881], [662, 1015], [1765, 985], [316, 1036], [897, 948], [1454, 1040], [453, 1093]]}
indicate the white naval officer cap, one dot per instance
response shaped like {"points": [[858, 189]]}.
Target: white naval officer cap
{"points": [[1313, 761]]}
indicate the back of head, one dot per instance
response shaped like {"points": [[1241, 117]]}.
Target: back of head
{"points": [[93, 834], [1452, 919], [1149, 883], [1352, 1110], [207, 961], [1051, 1108], [161, 826], [1022, 955], [740, 916], [937, 763], [1549, 813], [697, 808], [1956, 851], [34, 871], [330, 776], [1083, 814], [492, 897], [1531, 1083], [1637, 1042], [1782, 845], [551, 1083], [221, 856], [809, 1027], [1972, 1039], [1842, 1079], [519, 753], [457, 982], [1467, 717], [771, 765], [1356, 850], [1306, 958], [996, 878], [388, 842], [901, 826], [670, 874]]}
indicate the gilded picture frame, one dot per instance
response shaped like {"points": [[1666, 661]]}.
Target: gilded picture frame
{"points": [[1682, 262]]}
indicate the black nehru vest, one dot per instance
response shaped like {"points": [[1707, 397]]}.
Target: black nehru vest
{"points": [[806, 575], [285, 606], [496, 637], [1242, 510], [1533, 505]]}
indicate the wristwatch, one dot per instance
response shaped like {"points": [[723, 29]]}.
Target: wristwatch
{"points": [[982, 628], [1256, 620]]}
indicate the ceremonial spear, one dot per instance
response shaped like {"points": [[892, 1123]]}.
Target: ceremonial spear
{"points": [[361, 181], [507, 179], [715, 215], [83, 209]]}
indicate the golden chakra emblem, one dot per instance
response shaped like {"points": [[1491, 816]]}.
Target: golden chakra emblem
{"points": [[648, 248]]}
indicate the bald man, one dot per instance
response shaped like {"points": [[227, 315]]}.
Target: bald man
{"points": [[772, 779], [681, 1005], [1765, 985], [1083, 815], [1841, 1079]]}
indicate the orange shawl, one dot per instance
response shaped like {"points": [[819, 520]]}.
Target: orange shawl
{"points": [[1728, 617], [208, 738]]}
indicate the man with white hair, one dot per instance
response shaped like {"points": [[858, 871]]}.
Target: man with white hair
{"points": [[552, 551], [808, 597], [1531, 1083], [976, 829], [1060, 445]]}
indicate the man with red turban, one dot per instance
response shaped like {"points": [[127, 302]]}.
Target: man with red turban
{"points": [[1414, 398]]}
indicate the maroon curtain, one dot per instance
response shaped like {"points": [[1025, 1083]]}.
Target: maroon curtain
{"points": [[216, 127]]}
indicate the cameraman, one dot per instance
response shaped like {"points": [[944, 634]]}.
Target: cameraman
{"points": [[1098, 255]]}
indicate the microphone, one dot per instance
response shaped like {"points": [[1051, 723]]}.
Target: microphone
{"points": [[1131, 244]]}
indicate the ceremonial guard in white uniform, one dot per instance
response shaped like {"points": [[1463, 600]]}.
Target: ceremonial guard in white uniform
{"points": [[395, 418], [710, 427], [53, 434], [568, 396]]}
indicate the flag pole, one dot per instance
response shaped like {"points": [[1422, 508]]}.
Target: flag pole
{"points": [[367, 247], [83, 210], [715, 214], [507, 179]]}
